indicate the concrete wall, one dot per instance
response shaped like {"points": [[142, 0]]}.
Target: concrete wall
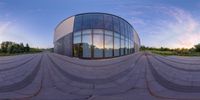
{"points": [[67, 43], [63, 37], [64, 28], [63, 46]]}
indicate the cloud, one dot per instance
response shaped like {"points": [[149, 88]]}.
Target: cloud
{"points": [[163, 25], [166, 26], [181, 29], [4, 26]]}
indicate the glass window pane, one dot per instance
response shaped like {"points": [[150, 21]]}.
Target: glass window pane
{"points": [[129, 46], [77, 39], [108, 46], [110, 33], [98, 31], [116, 24], [132, 46], [87, 43], [77, 44], [77, 50], [126, 46], [97, 21], [108, 22], [98, 45], [78, 23], [116, 44], [121, 26], [87, 32], [126, 29], [87, 21], [122, 45], [108, 43], [77, 34]]}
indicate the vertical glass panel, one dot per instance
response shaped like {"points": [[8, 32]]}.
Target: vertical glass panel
{"points": [[121, 26], [131, 37], [108, 44], [87, 21], [98, 31], [86, 43], [77, 37], [97, 21], [132, 47], [98, 43], [129, 46], [126, 46], [77, 50], [77, 44], [116, 24], [126, 29], [87, 32], [116, 44], [122, 45], [78, 23], [108, 22]]}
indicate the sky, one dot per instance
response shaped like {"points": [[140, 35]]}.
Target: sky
{"points": [[159, 23]]}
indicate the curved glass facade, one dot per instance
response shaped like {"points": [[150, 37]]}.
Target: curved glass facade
{"points": [[99, 35]]}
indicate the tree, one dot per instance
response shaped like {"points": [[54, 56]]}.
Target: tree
{"points": [[197, 47], [10, 49], [27, 48], [22, 48]]}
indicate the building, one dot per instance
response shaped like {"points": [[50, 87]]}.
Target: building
{"points": [[95, 35]]}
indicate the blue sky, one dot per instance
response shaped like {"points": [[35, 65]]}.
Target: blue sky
{"points": [[166, 23]]}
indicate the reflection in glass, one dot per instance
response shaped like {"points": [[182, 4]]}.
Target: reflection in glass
{"points": [[97, 21], [126, 46], [87, 43], [122, 45], [122, 26], [98, 43], [108, 22], [108, 44], [77, 44], [116, 24], [77, 37], [78, 23], [131, 46], [102, 35], [87, 21], [116, 44]]}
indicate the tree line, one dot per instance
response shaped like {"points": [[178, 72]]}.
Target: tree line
{"points": [[12, 47], [196, 48], [194, 51]]}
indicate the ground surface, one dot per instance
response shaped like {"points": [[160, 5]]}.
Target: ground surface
{"points": [[141, 76]]}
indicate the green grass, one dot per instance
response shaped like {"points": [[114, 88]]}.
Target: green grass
{"points": [[173, 53]]}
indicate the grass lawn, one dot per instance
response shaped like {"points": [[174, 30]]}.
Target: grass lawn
{"points": [[173, 53]]}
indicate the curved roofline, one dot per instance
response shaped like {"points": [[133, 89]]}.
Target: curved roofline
{"points": [[93, 13]]}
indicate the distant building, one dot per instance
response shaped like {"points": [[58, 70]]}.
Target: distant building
{"points": [[95, 35]]}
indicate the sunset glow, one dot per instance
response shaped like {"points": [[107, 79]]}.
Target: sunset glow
{"points": [[173, 24]]}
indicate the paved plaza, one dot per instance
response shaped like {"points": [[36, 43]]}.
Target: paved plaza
{"points": [[139, 76]]}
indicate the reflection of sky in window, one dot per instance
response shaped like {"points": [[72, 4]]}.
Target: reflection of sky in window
{"points": [[116, 43], [77, 37], [108, 42], [98, 38], [98, 41], [87, 39]]}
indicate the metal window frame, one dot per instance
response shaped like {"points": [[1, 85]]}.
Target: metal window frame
{"points": [[126, 24]]}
